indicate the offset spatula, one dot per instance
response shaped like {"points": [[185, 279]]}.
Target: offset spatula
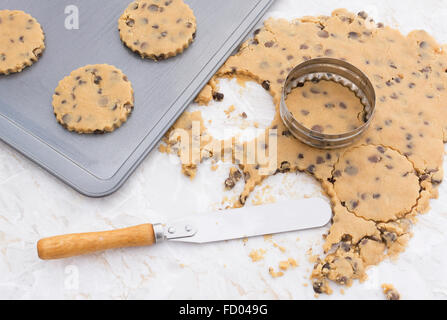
{"points": [[251, 221]]}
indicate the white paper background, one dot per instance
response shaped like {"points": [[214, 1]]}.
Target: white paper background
{"points": [[33, 204]]}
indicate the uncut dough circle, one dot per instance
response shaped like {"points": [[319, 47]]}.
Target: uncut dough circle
{"points": [[376, 183], [157, 29], [93, 99], [21, 41]]}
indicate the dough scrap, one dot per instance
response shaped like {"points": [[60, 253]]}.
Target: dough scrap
{"points": [[409, 74], [21, 41], [390, 292], [327, 107], [93, 99], [157, 29]]}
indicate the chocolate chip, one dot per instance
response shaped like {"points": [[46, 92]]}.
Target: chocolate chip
{"points": [[269, 44], [217, 96], [97, 79], [286, 133], [362, 14], [389, 237], [374, 159], [256, 32], [329, 105], [300, 156], [394, 96], [320, 160], [304, 112], [127, 106], [317, 128], [311, 168], [411, 85], [2, 57], [353, 35], [155, 26], [21, 39], [229, 183], [66, 118], [285, 166], [328, 52], [314, 90], [164, 34], [144, 45], [304, 46], [354, 204], [323, 34], [266, 85], [389, 167], [153, 8], [423, 44], [189, 25], [376, 195], [317, 285], [130, 22], [343, 105]]}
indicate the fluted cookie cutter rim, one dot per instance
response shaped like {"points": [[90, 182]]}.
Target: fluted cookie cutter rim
{"points": [[333, 70]]}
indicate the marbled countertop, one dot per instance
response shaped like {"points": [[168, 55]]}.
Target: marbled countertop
{"points": [[34, 204]]}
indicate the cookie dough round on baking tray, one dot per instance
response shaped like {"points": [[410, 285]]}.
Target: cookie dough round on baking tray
{"points": [[157, 29], [21, 41], [93, 99]]}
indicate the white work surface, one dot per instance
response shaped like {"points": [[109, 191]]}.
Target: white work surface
{"points": [[34, 204]]}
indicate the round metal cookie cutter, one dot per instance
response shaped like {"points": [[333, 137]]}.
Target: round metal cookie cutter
{"points": [[331, 70]]}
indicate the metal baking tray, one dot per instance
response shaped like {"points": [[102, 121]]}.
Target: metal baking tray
{"points": [[97, 165]]}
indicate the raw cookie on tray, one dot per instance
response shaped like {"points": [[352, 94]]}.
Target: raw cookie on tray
{"points": [[93, 99], [21, 41], [157, 29]]}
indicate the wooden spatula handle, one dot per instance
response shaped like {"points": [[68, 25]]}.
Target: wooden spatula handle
{"points": [[82, 243]]}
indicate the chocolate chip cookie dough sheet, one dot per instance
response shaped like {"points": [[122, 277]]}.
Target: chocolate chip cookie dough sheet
{"points": [[157, 29], [93, 99], [21, 41], [379, 185]]}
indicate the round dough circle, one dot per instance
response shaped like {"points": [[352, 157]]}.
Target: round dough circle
{"points": [[376, 183], [21, 41], [157, 29], [93, 99]]}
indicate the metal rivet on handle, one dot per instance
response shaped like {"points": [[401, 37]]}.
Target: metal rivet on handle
{"points": [[188, 228], [171, 230]]}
